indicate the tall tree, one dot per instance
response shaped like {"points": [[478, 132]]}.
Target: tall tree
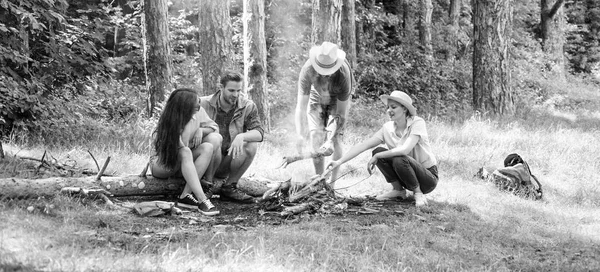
{"points": [[255, 57], [552, 31], [492, 23], [349, 31], [157, 62], [326, 18], [215, 44], [454, 12], [408, 23], [425, 27]]}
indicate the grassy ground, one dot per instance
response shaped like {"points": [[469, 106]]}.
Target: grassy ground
{"points": [[468, 226]]}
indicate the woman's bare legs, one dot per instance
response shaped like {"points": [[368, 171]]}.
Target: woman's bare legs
{"points": [[191, 168]]}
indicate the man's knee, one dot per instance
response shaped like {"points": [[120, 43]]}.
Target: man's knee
{"points": [[250, 149], [316, 137]]}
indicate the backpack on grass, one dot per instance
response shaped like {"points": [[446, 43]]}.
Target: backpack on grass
{"points": [[516, 177]]}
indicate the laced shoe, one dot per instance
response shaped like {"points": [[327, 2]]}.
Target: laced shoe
{"points": [[188, 202], [232, 193], [420, 200], [207, 208], [393, 194]]}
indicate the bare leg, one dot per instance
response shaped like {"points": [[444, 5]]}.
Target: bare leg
{"points": [[337, 153], [216, 140], [316, 140], [189, 172]]}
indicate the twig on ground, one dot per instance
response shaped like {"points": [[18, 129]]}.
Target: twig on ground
{"points": [[103, 168], [95, 161]]}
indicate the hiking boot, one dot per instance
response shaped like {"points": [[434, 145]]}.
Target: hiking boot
{"points": [[188, 202], [232, 193], [207, 187], [393, 194], [207, 208], [420, 200]]}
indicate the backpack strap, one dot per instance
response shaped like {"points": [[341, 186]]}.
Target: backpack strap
{"points": [[539, 190]]}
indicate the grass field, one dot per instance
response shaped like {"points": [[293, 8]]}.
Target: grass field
{"points": [[468, 225]]}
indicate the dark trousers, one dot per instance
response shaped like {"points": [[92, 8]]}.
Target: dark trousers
{"points": [[406, 170]]}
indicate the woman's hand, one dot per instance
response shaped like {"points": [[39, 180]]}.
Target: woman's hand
{"points": [[371, 164], [332, 165]]}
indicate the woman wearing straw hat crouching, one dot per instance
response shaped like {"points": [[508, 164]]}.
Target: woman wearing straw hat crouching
{"points": [[408, 162]]}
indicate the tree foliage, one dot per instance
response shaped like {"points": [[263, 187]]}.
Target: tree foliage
{"points": [[76, 66]]}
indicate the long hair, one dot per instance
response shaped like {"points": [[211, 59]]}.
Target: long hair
{"points": [[178, 111]]}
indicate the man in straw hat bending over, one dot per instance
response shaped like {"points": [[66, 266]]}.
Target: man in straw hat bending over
{"points": [[325, 87]]}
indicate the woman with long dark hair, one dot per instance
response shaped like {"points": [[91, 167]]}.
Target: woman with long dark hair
{"points": [[180, 150]]}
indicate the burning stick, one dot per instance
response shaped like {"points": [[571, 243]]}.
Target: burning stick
{"points": [[310, 155]]}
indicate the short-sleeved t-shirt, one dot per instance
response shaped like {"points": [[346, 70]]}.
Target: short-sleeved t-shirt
{"points": [[337, 86], [415, 126]]}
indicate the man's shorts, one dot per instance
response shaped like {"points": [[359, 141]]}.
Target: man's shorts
{"points": [[321, 111]]}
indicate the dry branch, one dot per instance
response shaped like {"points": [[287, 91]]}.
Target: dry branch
{"points": [[287, 160]]}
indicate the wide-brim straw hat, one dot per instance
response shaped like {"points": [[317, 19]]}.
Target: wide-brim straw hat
{"points": [[326, 58], [402, 98]]}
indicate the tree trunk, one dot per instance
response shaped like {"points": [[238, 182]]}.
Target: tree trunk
{"points": [[492, 22], [349, 31], [365, 32], [326, 21], [454, 17], [454, 12], [552, 27], [425, 27], [157, 61], [1, 151], [408, 23], [255, 57], [215, 42], [132, 185]]}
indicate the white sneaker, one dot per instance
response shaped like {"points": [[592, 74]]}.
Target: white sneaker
{"points": [[420, 200], [392, 194]]}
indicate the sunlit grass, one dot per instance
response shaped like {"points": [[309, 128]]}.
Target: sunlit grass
{"points": [[469, 225]]}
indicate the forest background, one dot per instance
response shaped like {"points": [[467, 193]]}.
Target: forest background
{"points": [[72, 80], [73, 71]]}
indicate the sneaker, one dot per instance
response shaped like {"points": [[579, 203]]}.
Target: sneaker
{"points": [[188, 202], [207, 208], [420, 200], [230, 192], [392, 194]]}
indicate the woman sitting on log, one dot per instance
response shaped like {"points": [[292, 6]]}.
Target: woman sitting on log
{"points": [[407, 163], [180, 150]]}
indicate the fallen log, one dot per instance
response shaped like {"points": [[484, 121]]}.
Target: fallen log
{"points": [[131, 185]]}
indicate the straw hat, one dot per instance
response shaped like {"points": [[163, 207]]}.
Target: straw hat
{"points": [[326, 58], [402, 98]]}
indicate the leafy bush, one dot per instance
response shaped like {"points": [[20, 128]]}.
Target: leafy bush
{"points": [[441, 88]]}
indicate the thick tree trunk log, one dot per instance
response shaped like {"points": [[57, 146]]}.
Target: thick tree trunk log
{"points": [[157, 60], [255, 57], [132, 185], [492, 24], [215, 42], [326, 18]]}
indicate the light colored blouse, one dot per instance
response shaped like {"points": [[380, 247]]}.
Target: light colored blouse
{"points": [[415, 126]]}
